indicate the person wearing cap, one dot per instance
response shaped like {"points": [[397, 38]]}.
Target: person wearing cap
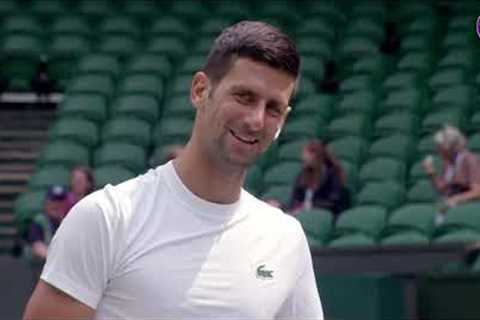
{"points": [[46, 223]]}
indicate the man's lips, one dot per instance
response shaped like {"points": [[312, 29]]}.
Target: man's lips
{"points": [[243, 139]]}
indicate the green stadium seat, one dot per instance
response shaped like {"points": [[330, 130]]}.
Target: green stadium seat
{"points": [[311, 67], [317, 224], [356, 46], [316, 105], [473, 142], [130, 156], [412, 217], [71, 25], [203, 45], [47, 9], [90, 106], [301, 128], [401, 80], [95, 9], [192, 64], [45, 177], [357, 82], [92, 83], [456, 96], [357, 124], [388, 194], [169, 26], [365, 27], [142, 9], [281, 193], [181, 84], [416, 170], [127, 129], [122, 46], [463, 21], [111, 174], [8, 8], [172, 131], [425, 24], [254, 180], [460, 39], [363, 101], [64, 152], [352, 241], [405, 238], [447, 77], [324, 10], [119, 25], [22, 24], [382, 169], [417, 61], [21, 54], [422, 192], [213, 26], [463, 216], [456, 236], [170, 46], [372, 65], [190, 9], [400, 122], [402, 100], [458, 57], [148, 84], [426, 145], [367, 220], [314, 46], [397, 146], [292, 150], [76, 129], [282, 173], [351, 171], [26, 206], [179, 106], [416, 42], [144, 107], [351, 149], [99, 63], [315, 27], [435, 120], [158, 65]]}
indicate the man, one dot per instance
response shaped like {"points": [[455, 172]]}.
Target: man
{"points": [[185, 241], [46, 223]]}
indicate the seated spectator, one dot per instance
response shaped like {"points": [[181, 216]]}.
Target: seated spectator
{"points": [[82, 183], [391, 43], [41, 83], [321, 183], [330, 82], [46, 223], [459, 180]]}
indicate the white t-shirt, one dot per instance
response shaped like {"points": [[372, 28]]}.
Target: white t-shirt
{"points": [[149, 248]]}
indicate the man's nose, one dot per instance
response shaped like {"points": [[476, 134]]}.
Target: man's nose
{"points": [[256, 118]]}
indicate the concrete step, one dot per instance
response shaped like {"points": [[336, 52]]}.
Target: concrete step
{"points": [[7, 219], [6, 245], [22, 145], [17, 167], [15, 155], [8, 135], [6, 207], [10, 193], [14, 177], [8, 232]]}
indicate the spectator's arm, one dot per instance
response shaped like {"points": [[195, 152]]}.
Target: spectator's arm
{"points": [[47, 302], [39, 249]]}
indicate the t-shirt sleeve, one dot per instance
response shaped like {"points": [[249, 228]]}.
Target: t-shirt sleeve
{"points": [[304, 301], [35, 233], [81, 255]]}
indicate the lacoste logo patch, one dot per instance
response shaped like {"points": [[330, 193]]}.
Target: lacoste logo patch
{"points": [[264, 274]]}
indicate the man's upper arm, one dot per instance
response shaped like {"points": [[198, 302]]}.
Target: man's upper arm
{"points": [[47, 302]]}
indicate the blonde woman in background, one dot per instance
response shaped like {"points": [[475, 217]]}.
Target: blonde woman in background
{"points": [[459, 180]]}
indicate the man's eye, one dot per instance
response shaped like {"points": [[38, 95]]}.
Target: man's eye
{"points": [[243, 98]]}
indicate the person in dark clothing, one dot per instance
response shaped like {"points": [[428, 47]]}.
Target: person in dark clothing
{"points": [[46, 223], [329, 83], [321, 183], [391, 43], [41, 82]]}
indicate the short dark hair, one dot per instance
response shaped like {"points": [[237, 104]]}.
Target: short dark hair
{"points": [[255, 40]]}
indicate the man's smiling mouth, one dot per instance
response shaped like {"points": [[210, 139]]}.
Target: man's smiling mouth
{"points": [[243, 139]]}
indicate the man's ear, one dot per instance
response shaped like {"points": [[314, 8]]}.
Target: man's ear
{"points": [[200, 89]]}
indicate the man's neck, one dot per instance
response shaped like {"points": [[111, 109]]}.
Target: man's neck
{"points": [[207, 180]]}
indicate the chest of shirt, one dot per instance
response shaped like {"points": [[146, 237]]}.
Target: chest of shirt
{"points": [[216, 272]]}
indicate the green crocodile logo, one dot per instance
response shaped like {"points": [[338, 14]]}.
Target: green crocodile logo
{"points": [[264, 274]]}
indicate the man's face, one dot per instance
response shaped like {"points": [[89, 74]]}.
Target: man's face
{"points": [[55, 209], [239, 117]]}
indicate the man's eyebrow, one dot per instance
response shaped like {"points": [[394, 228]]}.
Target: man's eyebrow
{"points": [[250, 91]]}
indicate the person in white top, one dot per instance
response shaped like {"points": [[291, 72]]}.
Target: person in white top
{"points": [[185, 240]]}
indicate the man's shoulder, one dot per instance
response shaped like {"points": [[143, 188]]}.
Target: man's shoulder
{"points": [[270, 216]]}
